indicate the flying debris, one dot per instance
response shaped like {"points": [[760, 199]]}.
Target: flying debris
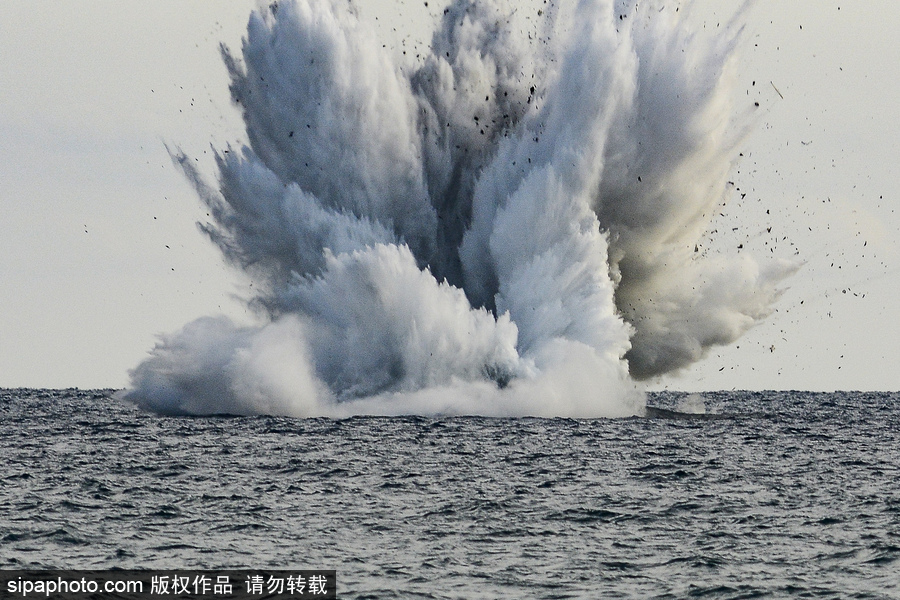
{"points": [[777, 90], [504, 226]]}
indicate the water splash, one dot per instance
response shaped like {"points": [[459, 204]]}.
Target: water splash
{"points": [[505, 227]]}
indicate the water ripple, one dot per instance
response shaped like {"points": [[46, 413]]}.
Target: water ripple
{"points": [[784, 499]]}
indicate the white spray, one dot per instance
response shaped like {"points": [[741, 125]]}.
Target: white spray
{"points": [[505, 228]]}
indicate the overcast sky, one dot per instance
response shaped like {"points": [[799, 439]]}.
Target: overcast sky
{"points": [[99, 251]]}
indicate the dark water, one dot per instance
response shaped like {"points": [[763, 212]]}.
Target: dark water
{"points": [[784, 495]]}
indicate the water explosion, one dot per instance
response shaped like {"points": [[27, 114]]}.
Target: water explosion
{"points": [[507, 226]]}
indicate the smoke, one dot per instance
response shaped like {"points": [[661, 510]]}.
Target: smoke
{"points": [[506, 226]]}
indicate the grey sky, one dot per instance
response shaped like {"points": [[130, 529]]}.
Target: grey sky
{"points": [[97, 229]]}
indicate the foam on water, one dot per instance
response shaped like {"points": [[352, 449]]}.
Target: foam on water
{"points": [[505, 227]]}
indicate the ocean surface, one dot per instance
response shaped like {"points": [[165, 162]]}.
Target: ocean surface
{"points": [[766, 495]]}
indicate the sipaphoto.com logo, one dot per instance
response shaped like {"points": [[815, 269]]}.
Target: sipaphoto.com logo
{"points": [[27, 586], [301, 584]]}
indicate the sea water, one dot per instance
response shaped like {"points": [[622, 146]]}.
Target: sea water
{"points": [[731, 495]]}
